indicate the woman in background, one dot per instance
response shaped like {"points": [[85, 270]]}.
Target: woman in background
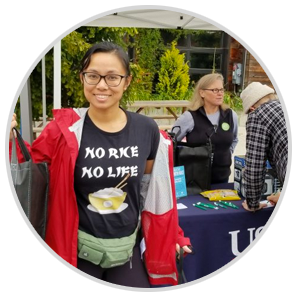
{"points": [[209, 118]]}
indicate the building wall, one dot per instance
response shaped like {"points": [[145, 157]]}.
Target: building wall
{"points": [[252, 69], [236, 55], [254, 72]]}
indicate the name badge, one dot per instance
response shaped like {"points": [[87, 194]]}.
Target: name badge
{"points": [[225, 126], [180, 181]]}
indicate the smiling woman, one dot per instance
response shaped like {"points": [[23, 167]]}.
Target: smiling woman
{"points": [[104, 95], [101, 158]]}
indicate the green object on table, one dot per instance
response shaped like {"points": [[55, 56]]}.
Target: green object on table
{"points": [[220, 205], [207, 205], [199, 206], [229, 204], [233, 205]]}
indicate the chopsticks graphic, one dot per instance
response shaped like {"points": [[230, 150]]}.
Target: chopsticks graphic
{"points": [[121, 185]]}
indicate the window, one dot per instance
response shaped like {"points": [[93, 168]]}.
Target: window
{"points": [[205, 60], [210, 39], [205, 51], [169, 36], [194, 77]]}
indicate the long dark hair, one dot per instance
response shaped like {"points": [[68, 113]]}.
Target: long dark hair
{"points": [[106, 47]]}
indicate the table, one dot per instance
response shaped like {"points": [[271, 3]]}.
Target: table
{"points": [[218, 236], [168, 104]]}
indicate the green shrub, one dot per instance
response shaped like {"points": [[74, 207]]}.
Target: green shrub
{"points": [[140, 87], [173, 75], [233, 101]]}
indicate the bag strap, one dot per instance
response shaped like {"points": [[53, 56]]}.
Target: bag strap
{"points": [[173, 135], [22, 145], [180, 263], [14, 159]]}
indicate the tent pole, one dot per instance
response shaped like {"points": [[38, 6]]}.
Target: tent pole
{"points": [[244, 68], [43, 92], [26, 112], [57, 75]]}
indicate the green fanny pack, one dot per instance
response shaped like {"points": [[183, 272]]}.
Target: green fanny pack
{"points": [[107, 253]]}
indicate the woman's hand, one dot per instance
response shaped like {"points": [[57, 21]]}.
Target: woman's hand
{"points": [[13, 124], [186, 249], [273, 199]]}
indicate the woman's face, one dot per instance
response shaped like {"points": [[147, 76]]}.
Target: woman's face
{"points": [[102, 96], [211, 98]]}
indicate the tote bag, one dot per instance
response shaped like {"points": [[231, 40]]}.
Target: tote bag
{"points": [[196, 160], [30, 181]]}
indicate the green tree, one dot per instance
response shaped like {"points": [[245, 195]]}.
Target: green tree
{"points": [[148, 47], [233, 101], [73, 47], [173, 76], [36, 87], [140, 86]]}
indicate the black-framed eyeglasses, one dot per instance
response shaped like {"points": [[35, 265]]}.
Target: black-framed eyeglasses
{"points": [[216, 90], [112, 80]]}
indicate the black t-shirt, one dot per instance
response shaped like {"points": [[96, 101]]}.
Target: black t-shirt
{"points": [[103, 162]]}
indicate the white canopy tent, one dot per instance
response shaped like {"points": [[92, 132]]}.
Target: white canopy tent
{"points": [[145, 18], [152, 18]]}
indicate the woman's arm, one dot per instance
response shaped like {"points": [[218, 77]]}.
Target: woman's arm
{"points": [[183, 242], [13, 124], [149, 166], [186, 124]]}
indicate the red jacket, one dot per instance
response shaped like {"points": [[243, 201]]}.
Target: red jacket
{"points": [[58, 146]]}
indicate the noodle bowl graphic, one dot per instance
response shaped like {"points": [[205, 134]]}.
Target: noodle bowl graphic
{"points": [[108, 200]]}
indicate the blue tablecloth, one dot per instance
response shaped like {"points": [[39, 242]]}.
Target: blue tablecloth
{"points": [[218, 236]]}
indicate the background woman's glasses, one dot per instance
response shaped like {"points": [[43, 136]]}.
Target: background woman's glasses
{"points": [[216, 91]]}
